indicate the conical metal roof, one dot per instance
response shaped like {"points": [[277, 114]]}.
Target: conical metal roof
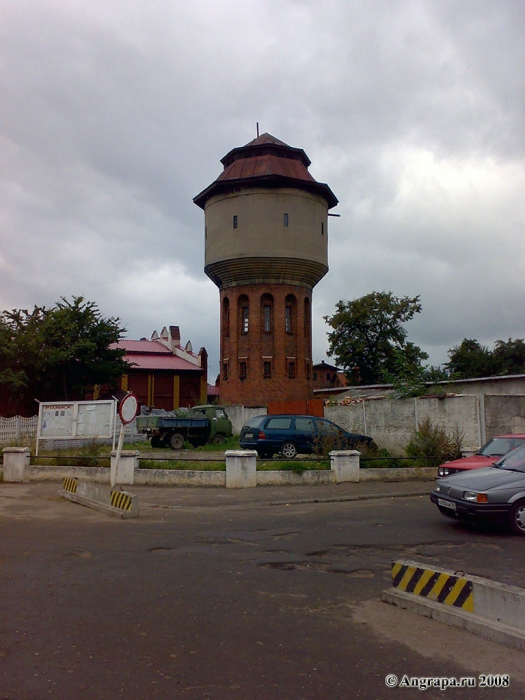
{"points": [[266, 162]]}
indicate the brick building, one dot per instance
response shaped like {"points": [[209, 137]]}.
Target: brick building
{"points": [[163, 374], [266, 240], [325, 376]]}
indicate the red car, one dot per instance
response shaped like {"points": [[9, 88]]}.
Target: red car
{"points": [[491, 451]]}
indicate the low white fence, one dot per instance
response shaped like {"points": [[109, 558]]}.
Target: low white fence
{"points": [[17, 428]]}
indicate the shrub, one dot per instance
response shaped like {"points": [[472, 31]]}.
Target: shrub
{"points": [[433, 441], [327, 442]]}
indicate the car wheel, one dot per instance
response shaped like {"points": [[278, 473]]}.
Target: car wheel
{"points": [[177, 441], [517, 518], [288, 450], [218, 439]]}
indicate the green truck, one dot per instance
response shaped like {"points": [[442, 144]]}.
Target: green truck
{"points": [[197, 425]]}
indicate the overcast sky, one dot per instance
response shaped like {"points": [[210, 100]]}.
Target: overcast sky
{"points": [[114, 114]]}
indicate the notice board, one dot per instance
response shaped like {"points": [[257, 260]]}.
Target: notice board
{"points": [[76, 420]]}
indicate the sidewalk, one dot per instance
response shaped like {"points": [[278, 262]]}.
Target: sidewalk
{"points": [[191, 497]]}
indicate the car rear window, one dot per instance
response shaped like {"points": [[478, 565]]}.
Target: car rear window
{"points": [[279, 424], [304, 424], [327, 428], [255, 422]]}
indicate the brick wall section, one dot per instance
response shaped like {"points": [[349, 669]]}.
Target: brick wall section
{"points": [[277, 347]]}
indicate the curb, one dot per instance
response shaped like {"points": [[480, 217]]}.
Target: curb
{"points": [[343, 499], [487, 608], [119, 503]]}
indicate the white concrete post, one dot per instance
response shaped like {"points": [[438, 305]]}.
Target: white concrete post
{"points": [[345, 465], [122, 470], [241, 469], [468, 452], [16, 459]]}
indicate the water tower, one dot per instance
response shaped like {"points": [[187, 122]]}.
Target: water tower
{"points": [[266, 240]]}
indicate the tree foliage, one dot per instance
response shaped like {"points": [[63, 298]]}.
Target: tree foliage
{"points": [[58, 353], [369, 340], [470, 359]]}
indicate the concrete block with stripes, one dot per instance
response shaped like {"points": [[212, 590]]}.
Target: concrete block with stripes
{"points": [[487, 608], [100, 497]]}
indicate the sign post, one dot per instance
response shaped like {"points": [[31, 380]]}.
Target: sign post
{"points": [[127, 411]]}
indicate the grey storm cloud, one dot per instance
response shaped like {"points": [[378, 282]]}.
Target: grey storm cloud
{"points": [[113, 116]]}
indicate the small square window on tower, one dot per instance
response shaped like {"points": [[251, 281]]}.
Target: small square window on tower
{"points": [[235, 221], [291, 369], [243, 370], [285, 220], [267, 369], [225, 371]]}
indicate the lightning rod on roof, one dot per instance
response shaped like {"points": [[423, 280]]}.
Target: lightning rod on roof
{"points": [[257, 129]]}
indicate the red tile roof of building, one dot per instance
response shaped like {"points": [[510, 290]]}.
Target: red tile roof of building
{"points": [[150, 354], [158, 361], [141, 346]]}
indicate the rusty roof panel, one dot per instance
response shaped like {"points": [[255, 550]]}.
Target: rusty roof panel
{"points": [[264, 166]]}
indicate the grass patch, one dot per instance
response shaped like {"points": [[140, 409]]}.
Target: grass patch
{"points": [[204, 466], [91, 454], [297, 466], [231, 443]]}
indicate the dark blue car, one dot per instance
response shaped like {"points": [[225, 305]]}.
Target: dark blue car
{"points": [[290, 435]]}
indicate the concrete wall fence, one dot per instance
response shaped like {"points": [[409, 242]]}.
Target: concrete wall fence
{"points": [[391, 422]]}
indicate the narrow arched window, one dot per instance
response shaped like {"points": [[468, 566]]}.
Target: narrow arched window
{"points": [[267, 313], [289, 313], [307, 317], [226, 316], [244, 314]]}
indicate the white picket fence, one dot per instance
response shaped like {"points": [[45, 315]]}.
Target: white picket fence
{"points": [[17, 428]]}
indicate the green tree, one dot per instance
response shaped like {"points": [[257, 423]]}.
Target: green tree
{"points": [[470, 359], [509, 356], [58, 353], [21, 358], [369, 340]]}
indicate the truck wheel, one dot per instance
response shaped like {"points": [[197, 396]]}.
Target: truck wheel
{"points": [[156, 441], [288, 450], [177, 441], [517, 518], [218, 439]]}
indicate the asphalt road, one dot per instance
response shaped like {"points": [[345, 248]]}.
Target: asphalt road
{"points": [[258, 594]]}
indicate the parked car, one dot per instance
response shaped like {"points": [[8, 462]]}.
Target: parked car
{"points": [[290, 435], [494, 494], [491, 451]]}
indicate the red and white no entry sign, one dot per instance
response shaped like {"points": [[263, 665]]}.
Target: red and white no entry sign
{"points": [[127, 409]]}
